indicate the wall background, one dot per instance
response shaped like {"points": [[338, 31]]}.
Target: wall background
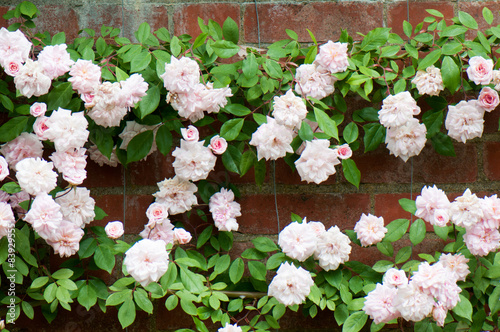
{"points": [[126, 193]]}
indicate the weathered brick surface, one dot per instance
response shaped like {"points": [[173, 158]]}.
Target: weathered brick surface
{"points": [[325, 20], [51, 20], [103, 176], [491, 160]]}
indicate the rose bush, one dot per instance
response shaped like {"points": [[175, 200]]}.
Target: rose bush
{"points": [[116, 101]]}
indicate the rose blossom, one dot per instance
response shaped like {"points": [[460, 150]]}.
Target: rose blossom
{"points": [[481, 240], [106, 108], [133, 89], [218, 144], [101, 159], [67, 130], [488, 99], [13, 46], [36, 176], [343, 151], [412, 303], [55, 60], [439, 314], [465, 120], [193, 161], [398, 109], [290, 285], [66, 239], [230, 328], [395, 278], [289, 110], [333, 248], [214, 99], [298, 241], [7, 220], [181, 75], [156, 213], [77, 206], [272, 140], [456, 265], [44, 215], [181, 236], [190, 134], [379, 304], [85, 76], [163, 231], [146, 261], [432, 204], [4, 169], [480, 70], [332, 57], [31, 81], [313, 83], [13, 67], [224, 210], [71, 164], [114, 229], [40, 126], [177, 194], [370, 229], [466, 210], [406, 140], [429, 82], [38, 109], [23, 146]]}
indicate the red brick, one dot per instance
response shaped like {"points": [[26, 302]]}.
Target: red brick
{"points": [[491, 160], [136, 207], [103, 176], [57, 18], [112, 205], [397, 13], [172, 320], [428, 167], [156, 168], [259, 214], [324, 19], [3, 11], [387, 206], [476, 10], [491, 121], [109, 15], [186, 16]]}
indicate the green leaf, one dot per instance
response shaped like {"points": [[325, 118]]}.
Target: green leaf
{"points": [[396, 229], [7, 103], [463, 308], [39, 282], [204, 236], [13, 128], [264, 244], [62, 274], [433, 121], [171, 302], [341, 313], [236, 270], [453, 30], [87, 296], [225, 49], [200, 40], [28, 309], [143, 32], [443, 144], [487, 15], [87, 247], [11, 188], [305, 132], [273, 68], [231, 129], [467, 20], [49, 294], [169, 277], [126, 313], [142, 300], [140, 61], [442, 232], [27, 8], [104, 259], [248, 159], [351, 132], [257, 270], [149, 103], [68, 284], [382, 265], [237, 109], [429, 59], [407, 28], [403, 255], [451, 74], [275, 260], [232, 159], [385, 248], [408, 205], [351, 172], [230, 30], [417, 231], [452, 48], [139, 146], [355, 322], [375, 39], [164, 140], [250, 66], [326, 124], [374, 135]]}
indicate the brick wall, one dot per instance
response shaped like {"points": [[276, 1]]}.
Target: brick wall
{"points": [[385, 179]]}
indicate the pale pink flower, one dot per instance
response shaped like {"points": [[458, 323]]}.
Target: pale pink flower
{"points": [[481, 240], [333, 248], [343, 151], [67, 130], [181, 236], [133, 89], [290, 285], [71, 164], [496, 79], [398, 109], [55, 60], [439, 314], [332, 57], [218, 144], [114, 229], [313, 83], [406, 140], [44, 215], [189, 105], [193, 161], [40, 126], [36, 176], [24, 146], [432, 205], [272, 140], [177, 194], [448, 294], [146, 261], [214, 99], [379, 304], [230, 328], [66, 239], [157, 213], [488, 99], [491, 211], [13, 67], [163, 231], [456, 265], [101, 159], [466, 210], [7, 220], [429, 82], [106, 109], [395, 278], [465, 120], [88, 99], [317, 227], [181, 75], [430, 278], [289, 110], [77, 206], [190, 134], [31, 81], [13, 45], [224, 210], [4, 169], [38, 109], [298, 241], [412, 303], [133, 129], [85, 76], [480, 70], [370, 229]]}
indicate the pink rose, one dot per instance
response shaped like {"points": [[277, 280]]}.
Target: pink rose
{"points": [[488, 99], [38, 109], [156, 213], [88, 99], [181, 236], [13, 67], [218, 144], [190, 134], [480, 70], [40, 126], [332, 57], [4, 168], [114, 229], [395, 278], [344, 151]]}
